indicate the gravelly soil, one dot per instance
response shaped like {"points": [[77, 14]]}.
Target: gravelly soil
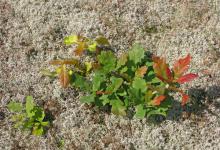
{"points": [[31, 34]]}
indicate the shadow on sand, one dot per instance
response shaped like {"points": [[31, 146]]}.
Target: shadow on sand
{"points": [[201, 99]]}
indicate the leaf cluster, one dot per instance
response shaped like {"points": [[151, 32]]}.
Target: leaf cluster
{"points": [[135, 80], [28, 117]]}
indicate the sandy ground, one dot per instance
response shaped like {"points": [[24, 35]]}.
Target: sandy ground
{"points": [[31, 34]]}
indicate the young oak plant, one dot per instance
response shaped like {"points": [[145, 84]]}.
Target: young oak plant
{"points": [[134, 80], [28, 117]]}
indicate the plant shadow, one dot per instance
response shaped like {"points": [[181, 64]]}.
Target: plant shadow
{"points": [[201, 99]]}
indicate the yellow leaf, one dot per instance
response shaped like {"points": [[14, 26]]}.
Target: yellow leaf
{"points": [[73, 39], [92, 47], [88, 66]]}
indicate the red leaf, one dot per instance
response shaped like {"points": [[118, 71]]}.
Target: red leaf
{"points": [[161, 69], [187, 78], [169, 74], [181, 66], [157, 100], [184, 99]]}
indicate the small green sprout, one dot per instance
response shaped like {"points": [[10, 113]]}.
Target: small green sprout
{"points": [[28, 117]]}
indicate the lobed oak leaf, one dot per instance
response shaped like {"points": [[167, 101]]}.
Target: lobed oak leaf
{"points": [[118, 107], [157, 100], [140, 111], [122, 60], [161, 69], [186, 78], [140, 72], [181, 66], [136, 53]]}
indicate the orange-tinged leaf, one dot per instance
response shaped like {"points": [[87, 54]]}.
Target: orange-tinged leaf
{"points": [[140, 72], [103, 92], [161, 69], [80, 48], [56, 62], [181, 66], [157, 100], [186, 78], [64, 77], [71, 62], [184, 99], [65, 61]]}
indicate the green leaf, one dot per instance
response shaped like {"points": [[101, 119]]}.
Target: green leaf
{"points": [[156, 80], [136, 53], [88, 99], [122, 93], [122, 60], [140, 111], [81, 82], [158, 111], [38, 130], [97, 80], [139, 84], [105, 99], [135, 96], [30, 106], [148, 96], [28, 124], [118, 107], [149, 63], [123, 70], [45, 123], [127, 102], [115, 84], [15, 106], [71, 39], [107, 60], [39, 114], [19, 120]]}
